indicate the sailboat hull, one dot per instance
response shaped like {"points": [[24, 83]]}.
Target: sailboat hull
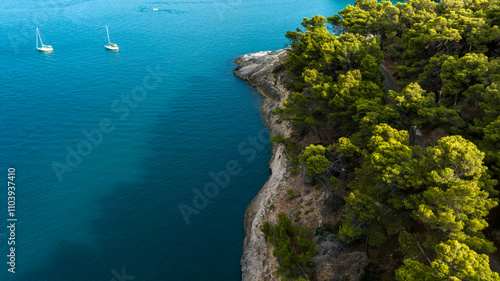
{"points": [[112, 48], [45, 49]]}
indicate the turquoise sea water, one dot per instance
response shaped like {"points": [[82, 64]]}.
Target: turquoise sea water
{"points": [[113, 214]]}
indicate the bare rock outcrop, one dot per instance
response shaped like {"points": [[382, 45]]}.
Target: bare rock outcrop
{"points": [[311, 207], [257, 262]]}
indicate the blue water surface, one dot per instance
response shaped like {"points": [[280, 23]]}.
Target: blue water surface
{"points": [[113, 213]]}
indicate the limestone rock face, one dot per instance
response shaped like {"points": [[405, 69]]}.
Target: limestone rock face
{"points": [[261, 71], [265, 72], [310, 207], [257, 69]]}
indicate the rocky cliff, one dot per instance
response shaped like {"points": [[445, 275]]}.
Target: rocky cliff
{"points": [[312, 207], [257, 262]]}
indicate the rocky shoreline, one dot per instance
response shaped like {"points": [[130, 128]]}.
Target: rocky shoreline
{"points": [[257, 262], [265, 72], [310, 207]]}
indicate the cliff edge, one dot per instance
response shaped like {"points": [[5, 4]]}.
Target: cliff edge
{"points": [[259, 69], [311, 207]]}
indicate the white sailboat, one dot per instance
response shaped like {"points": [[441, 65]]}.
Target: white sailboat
{"points": [[43, 48], [110, 46]]}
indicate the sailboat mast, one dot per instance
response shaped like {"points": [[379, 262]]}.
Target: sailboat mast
{"points": [[37, 36], [109, 42]]}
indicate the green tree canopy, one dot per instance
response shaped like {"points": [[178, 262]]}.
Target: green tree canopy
{"points": [[314, 158], [454, 262]]}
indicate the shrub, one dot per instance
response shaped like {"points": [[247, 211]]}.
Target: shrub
{"points": [[293, 247]]}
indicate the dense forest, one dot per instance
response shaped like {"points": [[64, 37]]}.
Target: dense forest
{"points": [[419, 162]]}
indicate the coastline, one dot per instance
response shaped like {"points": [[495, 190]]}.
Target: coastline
{"points": [[258, 262], [310, 207]]}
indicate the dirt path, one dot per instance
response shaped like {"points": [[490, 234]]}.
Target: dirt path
{"points": [[389, 81]]}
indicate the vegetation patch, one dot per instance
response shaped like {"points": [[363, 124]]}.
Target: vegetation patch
{"points": [[290, 194], [434, 198], [293, 248]]}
